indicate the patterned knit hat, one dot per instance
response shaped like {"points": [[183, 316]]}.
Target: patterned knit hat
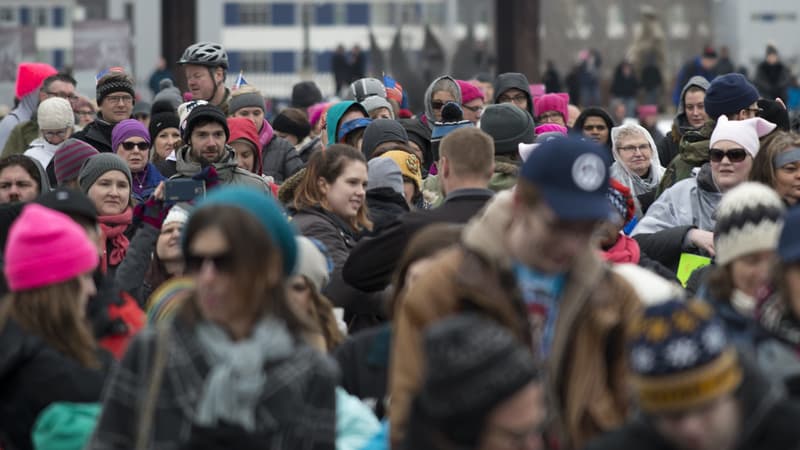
{"points": [[409, 165], [114, 80], [69, 158], [749, 219], [680, 357], [621, 199]]}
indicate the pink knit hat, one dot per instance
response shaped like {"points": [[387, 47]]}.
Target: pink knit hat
{"points": [[30, 76], [551, 102], [743, 132], [469, 91], [550, 128], [46, 247]]}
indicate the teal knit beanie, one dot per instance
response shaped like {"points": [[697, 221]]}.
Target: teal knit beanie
{"points": [[262, 207]]}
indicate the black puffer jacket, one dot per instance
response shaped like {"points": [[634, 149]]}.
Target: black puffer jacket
{"points": [[97, 134], [34, 375], [280, 159], [384, 206]]}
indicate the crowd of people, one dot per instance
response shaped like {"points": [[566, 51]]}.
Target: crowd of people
{"points": [[503, 270]]}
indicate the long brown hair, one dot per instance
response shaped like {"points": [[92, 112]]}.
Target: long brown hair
{"points": [[329, 165], [321, 314], [55, 314], [257, 271]]}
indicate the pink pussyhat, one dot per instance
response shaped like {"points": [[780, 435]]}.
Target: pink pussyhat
{"points": [[551, 102], [46, 247]]}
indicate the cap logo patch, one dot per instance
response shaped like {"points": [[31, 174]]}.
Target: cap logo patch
{"points": [[588, 172]]}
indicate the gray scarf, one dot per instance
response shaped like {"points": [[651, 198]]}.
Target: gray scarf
{"points": [[234, 385]]}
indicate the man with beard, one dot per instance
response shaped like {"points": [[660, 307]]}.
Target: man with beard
{"points": [[206, 156]]}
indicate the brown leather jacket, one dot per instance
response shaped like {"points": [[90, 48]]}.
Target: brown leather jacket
{"points": [[586, 370]]}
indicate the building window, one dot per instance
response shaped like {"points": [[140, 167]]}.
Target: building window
{"points": [[231, 14], [7, 16], [357, 13], [254, 14], [254, 62], [284, 62], [24, 16], [323, 14], [283, 14], [323, 62], [58, 17], [41, 17], [58, 59]]}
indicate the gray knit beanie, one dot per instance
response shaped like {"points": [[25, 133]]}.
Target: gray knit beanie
{"points": [[508, 126], [249, 100], [97, 165]]}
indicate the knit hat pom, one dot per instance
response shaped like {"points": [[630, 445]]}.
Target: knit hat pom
{"points": [[46, 247], [749, 219]]}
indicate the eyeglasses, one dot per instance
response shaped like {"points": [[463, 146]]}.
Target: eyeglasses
{"points": [[60, 134], [64, 95], [632, 148], [222, 262], [519, 98], [143, 146], [548, 116], [438, 104], [594, 128], [85, 113], [475, 109], [734, 155], [120, 99]]}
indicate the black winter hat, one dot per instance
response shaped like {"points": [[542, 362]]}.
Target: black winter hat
{"points": [[162, 116], [508, 126], [305, 94], [473, 364], [775, 113], [205, 113], [284, 124], [70, 202], [380, 131]]}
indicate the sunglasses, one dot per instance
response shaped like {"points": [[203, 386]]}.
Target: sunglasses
{"points": [[437, 104], [143, 146], [222, 263], [734, 155]]}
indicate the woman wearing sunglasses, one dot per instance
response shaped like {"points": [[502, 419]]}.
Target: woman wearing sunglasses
{"points": [[232, 369], [131, 142], [682, 219]]}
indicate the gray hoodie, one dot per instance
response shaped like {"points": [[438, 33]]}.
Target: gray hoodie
{"points": [[226, 168], [449, 85]]}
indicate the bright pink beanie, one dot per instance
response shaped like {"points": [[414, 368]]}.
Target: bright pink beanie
{"points": [[550, 128], [551, 102], [30, 76], [46, 247], [469, 91]]}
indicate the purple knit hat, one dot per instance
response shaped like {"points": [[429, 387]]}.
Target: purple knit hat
{"points": [[69, 158], [128, 128]]}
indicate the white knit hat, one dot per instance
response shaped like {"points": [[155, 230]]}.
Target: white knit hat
{"points": [[176, 214], [55, 113], [312, 263], [749, 219], [743, 132]]}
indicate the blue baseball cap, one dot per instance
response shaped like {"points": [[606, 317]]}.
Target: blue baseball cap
{"points": [[789, 242], [572, 176], [353, 125]]}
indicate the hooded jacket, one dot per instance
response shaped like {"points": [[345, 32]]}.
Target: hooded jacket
{"points": [[35, 375], [21, 137], [334, 116], [452, 87], [692, 153], [642, 188], [586, 369], [690, 203], [226, 168], [278, 158], [22, 113], [668, 147], [594, 111], [379, 132], [509, 80], [768, 421]]}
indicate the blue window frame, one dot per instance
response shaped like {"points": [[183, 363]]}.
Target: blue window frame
{"points": [[283, 14], [234, 61], [323, 14], [58, 17], [283, 62], [24, 16], [58, 58], [232, 14], [357, 13], [323, 61]]}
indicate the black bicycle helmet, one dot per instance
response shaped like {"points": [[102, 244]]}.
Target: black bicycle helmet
{"points": [[208, 54]]}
